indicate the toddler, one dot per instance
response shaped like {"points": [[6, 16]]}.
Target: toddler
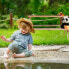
{"points": [[21, 39]]}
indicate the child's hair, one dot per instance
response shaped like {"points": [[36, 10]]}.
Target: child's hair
{"points": [[25, 26]]}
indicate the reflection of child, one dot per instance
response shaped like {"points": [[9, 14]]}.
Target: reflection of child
{"points": [[21, 39], [18, 65]]}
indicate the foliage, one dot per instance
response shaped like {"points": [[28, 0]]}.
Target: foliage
{"points": [[64, 9], [23, 8], [4, 26], [15, 26]]}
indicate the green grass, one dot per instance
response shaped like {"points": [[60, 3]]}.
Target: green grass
{"points": [[40, 37], [7, 33], [52, 37]]}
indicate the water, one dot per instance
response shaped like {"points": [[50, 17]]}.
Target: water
{"points": [[33, 66]]}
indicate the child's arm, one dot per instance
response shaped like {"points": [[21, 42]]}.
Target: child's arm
{"points": [[29, 46], [5, 39]]}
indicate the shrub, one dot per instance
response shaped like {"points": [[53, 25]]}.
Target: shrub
{"points": [[4, 26]]}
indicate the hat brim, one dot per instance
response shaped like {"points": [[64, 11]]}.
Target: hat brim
{"points": [[28, 22], [33, 30]]}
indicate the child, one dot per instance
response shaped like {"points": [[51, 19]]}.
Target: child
{"points": [[21, 45]]}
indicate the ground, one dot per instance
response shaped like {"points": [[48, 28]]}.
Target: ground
{"points": [[55, 53]]}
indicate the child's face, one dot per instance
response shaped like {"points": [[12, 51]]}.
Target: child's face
{"points": [[23, 31]]}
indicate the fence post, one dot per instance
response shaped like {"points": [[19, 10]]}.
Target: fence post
{"points": [[60, 20], [11, 20]]}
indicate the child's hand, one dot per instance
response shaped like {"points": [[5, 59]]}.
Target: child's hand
{"points": [[3, 38]]}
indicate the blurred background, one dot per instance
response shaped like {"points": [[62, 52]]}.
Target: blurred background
{"points": [[23, 8]]}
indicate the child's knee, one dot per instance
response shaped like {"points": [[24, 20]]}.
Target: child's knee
{"points": [[28, 53]]}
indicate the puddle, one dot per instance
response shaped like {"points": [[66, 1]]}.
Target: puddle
{"points": [[34, 66]]}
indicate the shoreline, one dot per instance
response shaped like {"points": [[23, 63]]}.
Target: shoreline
{"points": [[43, 54]]}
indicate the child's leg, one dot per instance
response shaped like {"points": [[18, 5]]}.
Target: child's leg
{"points": [[6, 53], [33, 54], [13, 46], [22, 55], [10, 49], [29, 53]]}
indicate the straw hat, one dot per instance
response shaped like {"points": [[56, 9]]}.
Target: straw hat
{"points": [[27, 21]]}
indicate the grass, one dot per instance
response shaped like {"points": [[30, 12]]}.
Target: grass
{"points": [[7, 33], [41, 37], [52, 37]]}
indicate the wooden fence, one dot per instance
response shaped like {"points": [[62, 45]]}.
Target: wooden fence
{"points": [[30, 16]]}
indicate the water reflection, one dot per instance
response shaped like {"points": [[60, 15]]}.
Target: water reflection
{"points": [[18, 66], [34, 66]]}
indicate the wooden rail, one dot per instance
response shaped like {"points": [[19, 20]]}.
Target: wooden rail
{"points": [[49, 29], [48, 25], [44, 16]]}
